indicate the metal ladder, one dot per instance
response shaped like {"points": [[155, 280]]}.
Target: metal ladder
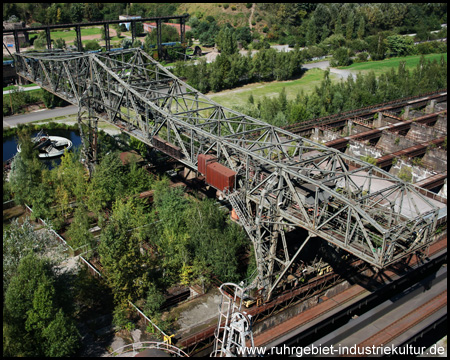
{"points": [[238, 205]]}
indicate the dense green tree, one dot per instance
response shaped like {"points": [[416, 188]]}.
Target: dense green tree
{"points": [[25, 176], [119, 250], [338, 25], [377, 46], [34, 313], [226, 41], [342, 56], [361, 28], [244, 35], [168, 34], [311, 35], [109, 178], [399, 45], [350, 26], [153, 301], [61, 336], [127, 43], [91, 45], [76, 11], [78, 233]]}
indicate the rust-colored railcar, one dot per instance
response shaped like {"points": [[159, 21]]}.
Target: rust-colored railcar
{"points": [[219, 176], [203, 161], [167, 147]]}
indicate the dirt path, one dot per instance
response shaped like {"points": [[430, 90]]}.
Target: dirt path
{"points": [[251, 16], [344, 74]]}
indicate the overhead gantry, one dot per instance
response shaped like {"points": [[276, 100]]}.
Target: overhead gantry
{"points": [[282, 180]]}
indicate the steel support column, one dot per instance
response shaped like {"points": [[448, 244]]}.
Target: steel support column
{"points": [[107, 38]]}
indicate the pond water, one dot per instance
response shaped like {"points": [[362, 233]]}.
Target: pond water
{"points": [[10, 144]]}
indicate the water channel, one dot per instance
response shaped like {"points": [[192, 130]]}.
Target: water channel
{"points": [[10, 144]]}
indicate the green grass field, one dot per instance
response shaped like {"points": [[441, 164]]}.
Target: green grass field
{"points": [[383, 66], [311, 79], [239, 96], [70, 36]]}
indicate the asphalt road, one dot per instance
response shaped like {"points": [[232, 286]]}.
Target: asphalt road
{"points": [[11, 121]]}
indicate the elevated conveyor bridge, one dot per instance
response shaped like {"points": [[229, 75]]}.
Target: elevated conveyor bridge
{"points": [[283, 180]]}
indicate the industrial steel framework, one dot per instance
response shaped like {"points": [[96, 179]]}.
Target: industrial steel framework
{"points": [[283, 180]]}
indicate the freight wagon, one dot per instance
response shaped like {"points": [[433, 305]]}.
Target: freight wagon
{"points": [[203, 161], [219, 176], [167, 147]]}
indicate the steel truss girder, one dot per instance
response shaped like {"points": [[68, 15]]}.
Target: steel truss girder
{"points": [[363, 210]]}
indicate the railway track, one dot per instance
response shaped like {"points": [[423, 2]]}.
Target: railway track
{"points": [[327, 321], [414, 101], [393, 322], [389, 333]]}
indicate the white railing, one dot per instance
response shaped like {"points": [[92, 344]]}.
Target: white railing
{"points": [[140, 346]]}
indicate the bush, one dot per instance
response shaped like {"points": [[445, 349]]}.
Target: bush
{"points": [[342, 57], [362, 57], [91, 45], [40, 44], [405, 174], [226, 6]]}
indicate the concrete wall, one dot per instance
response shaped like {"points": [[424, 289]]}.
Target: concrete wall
{"points": [[297, 309], [435, 159], [380, 121], [415, 114], [418, 172], [358, 150], [390, 142], [441, 123], [324, 135], [443, 191], [423, 133]]}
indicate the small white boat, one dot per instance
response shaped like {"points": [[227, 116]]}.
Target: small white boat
{"points": [[50, 146]]}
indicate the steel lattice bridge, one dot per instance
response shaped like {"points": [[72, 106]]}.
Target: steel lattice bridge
{"points": [[283, 180]]}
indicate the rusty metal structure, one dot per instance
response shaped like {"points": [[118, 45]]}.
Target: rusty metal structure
{"points": [[282, 180]]}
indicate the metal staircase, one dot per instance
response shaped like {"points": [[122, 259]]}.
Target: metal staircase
{"points": [[238, 205]]}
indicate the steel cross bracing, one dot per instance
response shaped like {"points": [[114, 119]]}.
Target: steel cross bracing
{"points": [[283, 180]]}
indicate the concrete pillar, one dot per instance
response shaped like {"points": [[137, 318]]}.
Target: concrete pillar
{"points": [[349, 126], [406, 113], [378, 121], [430, 108], [316, 134]]}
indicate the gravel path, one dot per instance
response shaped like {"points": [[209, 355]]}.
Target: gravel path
{"points": [[344, 74]]}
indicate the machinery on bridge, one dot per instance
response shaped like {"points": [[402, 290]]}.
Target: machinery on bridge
{"points": [[281, 181]]}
